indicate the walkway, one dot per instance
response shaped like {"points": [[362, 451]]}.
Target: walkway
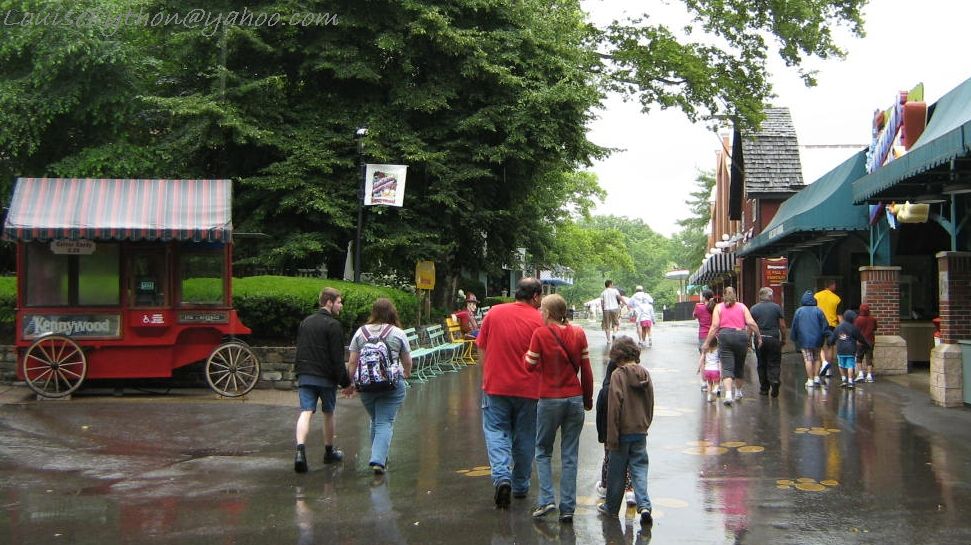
{"points": [[875, 465]]}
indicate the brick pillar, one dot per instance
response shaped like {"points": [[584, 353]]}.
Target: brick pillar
{"points": [[954, 289], [880, 288], [954, 285]]}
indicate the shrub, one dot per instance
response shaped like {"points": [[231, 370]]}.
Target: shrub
{"points": [[490, 301], [272, 306]]}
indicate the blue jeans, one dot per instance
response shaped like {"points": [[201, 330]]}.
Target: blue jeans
{"points": [[382, 407], [509, 428], [633, 453], [567, 415]]}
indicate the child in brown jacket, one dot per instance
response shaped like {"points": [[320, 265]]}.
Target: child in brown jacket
{"points": [[630, 410]]}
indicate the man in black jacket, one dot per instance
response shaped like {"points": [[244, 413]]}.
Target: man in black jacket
{"points": [[320, 372]]}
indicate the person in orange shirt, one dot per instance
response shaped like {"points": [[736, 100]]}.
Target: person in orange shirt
{"points": [[828, 302]]}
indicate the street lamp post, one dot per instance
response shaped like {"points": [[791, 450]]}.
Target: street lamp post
{"points": [[360, 134]]}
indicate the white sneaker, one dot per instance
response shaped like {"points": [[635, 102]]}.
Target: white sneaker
{"points": [[869, 377], [601, 490], [629, 497], [738, 394], [710, 397], [704, 386], [859, 377], [809, 383], [816, 382]]}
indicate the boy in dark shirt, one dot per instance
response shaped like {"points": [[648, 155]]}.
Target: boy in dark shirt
{"points": [[846, 337]]}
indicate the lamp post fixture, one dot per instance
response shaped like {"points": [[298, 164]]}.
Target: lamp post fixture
{"points": [[359, 134]]}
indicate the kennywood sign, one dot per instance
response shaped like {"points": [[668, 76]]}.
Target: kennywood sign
{"points": [[72, 325]]}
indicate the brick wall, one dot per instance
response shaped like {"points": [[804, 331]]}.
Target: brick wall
{"points": [[954, 286], [880, 287]]}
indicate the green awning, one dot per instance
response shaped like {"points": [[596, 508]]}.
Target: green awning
{"points": [[823, 211], [947, 137]]}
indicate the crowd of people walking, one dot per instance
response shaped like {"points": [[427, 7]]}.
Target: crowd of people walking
{"points": [[537, 384]]}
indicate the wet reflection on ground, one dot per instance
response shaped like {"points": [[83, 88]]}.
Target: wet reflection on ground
{"points": [[832, 465]]}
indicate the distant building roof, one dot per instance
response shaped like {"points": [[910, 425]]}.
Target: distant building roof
{"points": [[770, 157]]}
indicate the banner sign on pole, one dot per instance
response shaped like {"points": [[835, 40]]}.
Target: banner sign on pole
{"points": [[425, 275], [385, 185]]}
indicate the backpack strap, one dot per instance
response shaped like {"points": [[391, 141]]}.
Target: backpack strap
{"points": [[384, 332], [364, 332]]}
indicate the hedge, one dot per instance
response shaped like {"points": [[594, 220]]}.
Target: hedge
{"points": [[272, 306]]}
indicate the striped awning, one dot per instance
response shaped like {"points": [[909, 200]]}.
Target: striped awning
{"points": [[45, 209], [713, 266]]}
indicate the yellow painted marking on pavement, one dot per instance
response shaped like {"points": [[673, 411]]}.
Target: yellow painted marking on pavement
{"points": [[811, 487], [669, 502], [478, 473], [733, 444], [588, 500], [818, 432], [802, 430], [462, 471], [750, 449], [699, 443], [833, 430], [805, 480], [787, 482], [480, 468], [829, 482], [783, 487]]}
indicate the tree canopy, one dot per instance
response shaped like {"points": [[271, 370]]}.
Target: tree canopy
{"points": [[486, 101]]}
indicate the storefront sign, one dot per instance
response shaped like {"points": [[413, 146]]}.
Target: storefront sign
{"points": [[203, 317], [72, 247], [72, 325], [775, 271]]}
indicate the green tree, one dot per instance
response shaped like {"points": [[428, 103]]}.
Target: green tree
{"points": [[715, 66], [691, 241]]}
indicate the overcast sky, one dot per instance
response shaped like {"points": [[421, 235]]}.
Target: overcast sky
{"points": [[906, 43]]}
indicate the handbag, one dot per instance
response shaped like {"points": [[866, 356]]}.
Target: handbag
{"points": [[576, 366]]}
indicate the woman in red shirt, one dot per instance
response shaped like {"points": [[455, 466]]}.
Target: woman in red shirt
{"points": [[558, 352]]}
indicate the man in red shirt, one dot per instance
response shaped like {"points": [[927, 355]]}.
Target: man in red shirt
{"points": [[509, 391]]}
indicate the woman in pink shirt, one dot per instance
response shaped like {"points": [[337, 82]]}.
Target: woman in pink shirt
{"points": [[702, 313], [733, 323]]}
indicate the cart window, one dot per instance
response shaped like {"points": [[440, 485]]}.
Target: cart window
{"points": [[148, 277], [202, 279], [46, 278], [98, 276]]}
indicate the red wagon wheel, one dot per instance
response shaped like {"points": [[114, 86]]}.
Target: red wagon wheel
{"points": [[54, 366], [232, 369]]}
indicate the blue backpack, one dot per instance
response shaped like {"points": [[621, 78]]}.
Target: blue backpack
{"points": [[375, 366]]}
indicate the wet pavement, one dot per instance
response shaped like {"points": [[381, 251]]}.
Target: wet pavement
{"points": [[875, 465]]}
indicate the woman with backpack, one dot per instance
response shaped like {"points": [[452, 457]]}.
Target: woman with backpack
{"points": [[380, 361], [558, 353]]}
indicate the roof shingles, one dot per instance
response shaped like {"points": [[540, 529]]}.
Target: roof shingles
{"points": [[771, 156]]}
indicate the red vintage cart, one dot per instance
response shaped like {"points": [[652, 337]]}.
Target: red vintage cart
{"points": [[125, 279]]}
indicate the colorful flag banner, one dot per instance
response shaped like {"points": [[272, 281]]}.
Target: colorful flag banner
{"points": [[385, 185]]}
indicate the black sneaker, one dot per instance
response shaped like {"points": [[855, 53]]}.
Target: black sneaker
{"points": [[566, 518], [378, 469], [333, 456], [300, 461], [775, 389], [763, 392], [646, 519], [503, 495]]}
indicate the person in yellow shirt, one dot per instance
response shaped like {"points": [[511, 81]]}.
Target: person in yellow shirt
{"points": [[828, 302]]}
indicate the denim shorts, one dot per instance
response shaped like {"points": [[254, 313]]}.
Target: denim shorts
{"points": [[847, 361], [309, 394]]}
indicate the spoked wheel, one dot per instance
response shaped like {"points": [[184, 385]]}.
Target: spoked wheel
{"points": [[232, 369], [54, 366]]}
